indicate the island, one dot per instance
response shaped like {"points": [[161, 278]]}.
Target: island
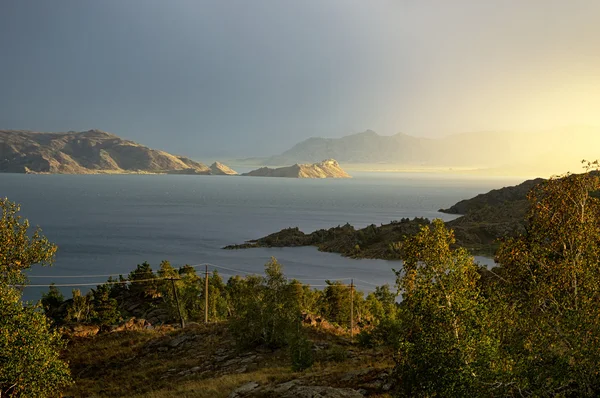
{"points": [[218, 168], [329, 168]]}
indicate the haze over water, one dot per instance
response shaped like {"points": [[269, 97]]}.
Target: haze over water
{"points": [[108, 224]]}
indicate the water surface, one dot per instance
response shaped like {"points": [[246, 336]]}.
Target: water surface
{"points": [[106, 224]]}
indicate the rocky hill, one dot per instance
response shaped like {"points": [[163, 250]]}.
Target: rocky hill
{"points": [[495, 197], [86, 152], [329, 168], [218, 168]]}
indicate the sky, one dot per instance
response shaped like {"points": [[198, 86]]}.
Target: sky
{"points": [[252, 78]]}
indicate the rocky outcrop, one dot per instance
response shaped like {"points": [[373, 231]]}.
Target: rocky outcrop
{"points": [[293, 389], [87, 152], [218, 168], [329, 168]]}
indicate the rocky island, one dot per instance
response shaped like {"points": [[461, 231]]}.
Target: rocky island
{"points": [[90, 152], [329, 168], [218, 168]]}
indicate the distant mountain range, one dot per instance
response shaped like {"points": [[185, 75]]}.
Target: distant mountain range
{"points": [[557, 148], [86, 152]]}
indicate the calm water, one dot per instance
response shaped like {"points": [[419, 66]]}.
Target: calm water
{"points": [[106, 224]]}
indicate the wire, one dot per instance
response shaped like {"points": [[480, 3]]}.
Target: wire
{"points": [[93, 284], [71, 276], [289, 278], [231, 269]]}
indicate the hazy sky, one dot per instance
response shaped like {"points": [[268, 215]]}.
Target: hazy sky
{"points": [[254, 77]]}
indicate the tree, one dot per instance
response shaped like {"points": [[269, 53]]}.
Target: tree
{"points": [[445, 346], [80, 308], [552, 275], [105, 309], [335, 303], [29, 349], [265, 309], [18, 249], [52, 302]]}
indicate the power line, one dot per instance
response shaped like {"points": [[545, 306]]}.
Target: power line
{"points": [[289, 278], [95, 284]]}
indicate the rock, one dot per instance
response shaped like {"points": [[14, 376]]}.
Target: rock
{"points": [[294, 389], [356, 373], [243, 390], [79, 330], [248, 359], [132, 324], [178, 340], [233, 361]]}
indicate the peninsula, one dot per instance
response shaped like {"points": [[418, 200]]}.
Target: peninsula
{"points": [[484, 219]]}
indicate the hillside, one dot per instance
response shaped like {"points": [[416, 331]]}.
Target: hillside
{"points": [[547, 152], [329, 168], [86, 152]]}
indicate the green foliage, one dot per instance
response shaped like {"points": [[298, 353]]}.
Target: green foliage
{"points": [[551, 276], [381, 304], [19, 250], [335, 303], [265, 309], [52, 302], [444, 346], [80, 309], [300, 351], [105, 309], [29, 350], [145, 281]]}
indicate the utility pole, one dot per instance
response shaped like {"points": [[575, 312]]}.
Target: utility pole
{"points": [[206, 295], [177, 301], [352, 309]]}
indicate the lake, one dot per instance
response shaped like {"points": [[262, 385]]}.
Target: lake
{"points": [[106, 224]]}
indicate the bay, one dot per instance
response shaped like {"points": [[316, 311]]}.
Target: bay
{"points": [[106, 224]]}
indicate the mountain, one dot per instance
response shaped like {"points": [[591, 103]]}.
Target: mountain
{"points": [[326, 169], [366, 147], [547, 151], [86, 152], [218, 168]]}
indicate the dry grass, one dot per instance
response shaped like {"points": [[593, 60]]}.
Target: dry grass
{"points": [[143, 364]]}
